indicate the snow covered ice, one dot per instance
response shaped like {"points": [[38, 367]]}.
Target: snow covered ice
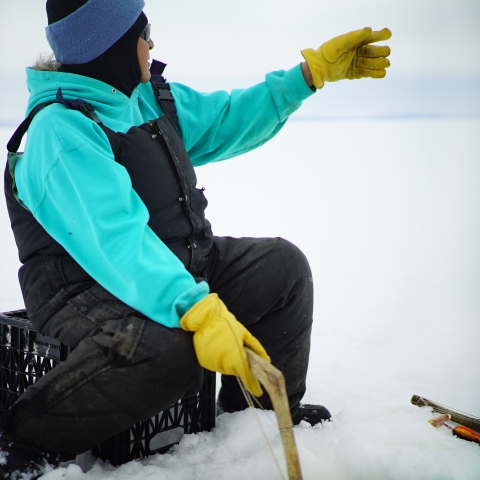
{"points": [[395, 445], [392, 234]]}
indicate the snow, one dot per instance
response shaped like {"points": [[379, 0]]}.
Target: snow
{"points": [[387, 211], [397, 444]]}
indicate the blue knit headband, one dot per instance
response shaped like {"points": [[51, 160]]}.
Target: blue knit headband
{"points": [[92, 29]]}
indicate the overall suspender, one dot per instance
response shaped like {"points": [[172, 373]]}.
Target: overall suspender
{"points": [[163, 93]]}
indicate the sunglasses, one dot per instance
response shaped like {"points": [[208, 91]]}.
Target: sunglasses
{"points": [[146, 33]]}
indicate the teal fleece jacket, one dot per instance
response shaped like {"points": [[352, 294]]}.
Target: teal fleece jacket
{"points": [[69, 180]]}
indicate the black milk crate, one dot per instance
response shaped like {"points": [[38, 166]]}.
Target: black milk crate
{"points": [[25, 356]]}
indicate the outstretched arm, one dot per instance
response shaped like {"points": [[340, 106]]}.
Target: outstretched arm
{"points": [[222, 125]]}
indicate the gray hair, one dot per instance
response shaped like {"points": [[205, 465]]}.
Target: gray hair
{"points": [[47, 63]]}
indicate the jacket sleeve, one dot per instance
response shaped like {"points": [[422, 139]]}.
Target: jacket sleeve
{"points": [[220, 125], [85, 201]]}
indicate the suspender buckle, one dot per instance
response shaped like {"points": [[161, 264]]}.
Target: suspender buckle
{"points": [[162, 91], [166, 100], [89, 111], [164, 94]]}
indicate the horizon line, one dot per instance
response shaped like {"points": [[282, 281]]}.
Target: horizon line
{"points": [[384, 116], [373, 116]]}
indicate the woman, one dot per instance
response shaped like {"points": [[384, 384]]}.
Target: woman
{"points": [[119, 261]]}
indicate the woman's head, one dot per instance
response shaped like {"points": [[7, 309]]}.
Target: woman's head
{"points": [[100, 39]]}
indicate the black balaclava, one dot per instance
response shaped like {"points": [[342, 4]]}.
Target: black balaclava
{"points": [[118, 66]]}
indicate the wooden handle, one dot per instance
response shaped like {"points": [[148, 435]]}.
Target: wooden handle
{"points": [[274, 382]]}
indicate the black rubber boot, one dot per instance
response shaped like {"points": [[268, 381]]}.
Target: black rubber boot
{"points": [[312, 414]]}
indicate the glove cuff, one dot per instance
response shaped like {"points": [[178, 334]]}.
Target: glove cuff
{"points": [[309, 55], [201, 312]]}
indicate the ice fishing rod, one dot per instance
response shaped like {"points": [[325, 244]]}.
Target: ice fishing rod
{"points": [[469, 426], [274, 382]]}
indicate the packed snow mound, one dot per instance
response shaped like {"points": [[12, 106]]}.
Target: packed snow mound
{"points": [[394, 443]]}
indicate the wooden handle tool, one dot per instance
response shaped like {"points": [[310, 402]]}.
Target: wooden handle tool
{"points": [[274, 382]]}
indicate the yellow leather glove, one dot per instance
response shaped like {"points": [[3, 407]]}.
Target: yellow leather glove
{"points": [[219, 340], [349, 56]]}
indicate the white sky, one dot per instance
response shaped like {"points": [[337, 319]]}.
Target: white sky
{"points": [[221, 44], [431, 37]]}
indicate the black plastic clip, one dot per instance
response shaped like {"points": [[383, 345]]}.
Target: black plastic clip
{"points": [[163, 91], [88, 111], [79, 104]]}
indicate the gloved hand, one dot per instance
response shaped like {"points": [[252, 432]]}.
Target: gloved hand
{"points": [[219, 341], [349, 56]]}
